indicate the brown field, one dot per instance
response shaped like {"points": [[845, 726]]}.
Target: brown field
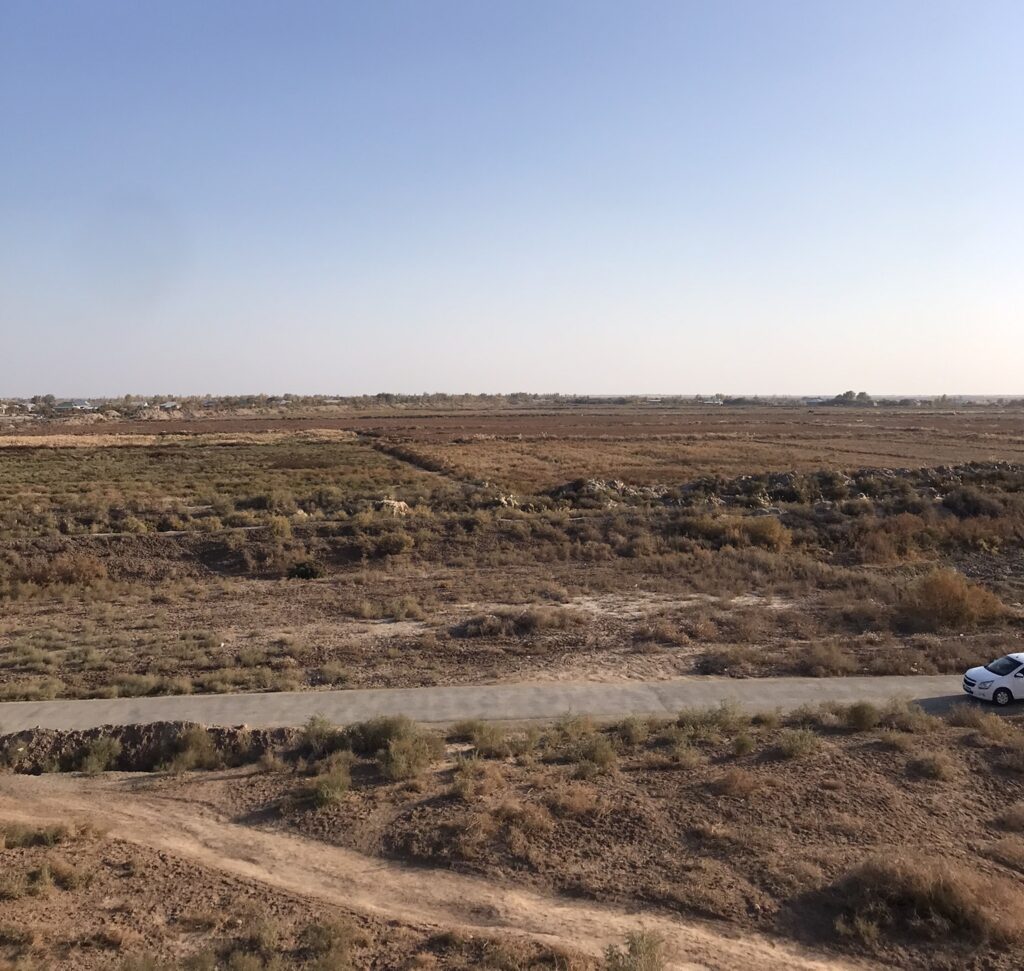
{"points": [[409, 547]]}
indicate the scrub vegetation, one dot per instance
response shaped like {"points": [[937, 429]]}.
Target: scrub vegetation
{"points": [[402, 548]]}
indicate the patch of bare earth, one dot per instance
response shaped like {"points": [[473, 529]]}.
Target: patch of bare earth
{"points": [[196, 866]]}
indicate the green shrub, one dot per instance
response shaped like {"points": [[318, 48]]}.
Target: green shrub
{"points": [[333, 780], [491, 741], [99, 755], [408, 756], [305, 570], [796, 743], [862, 716], [195, 749], [633, 731], [328, 945], [370, 737], [319, 737], [742, 745], [593, 754]]}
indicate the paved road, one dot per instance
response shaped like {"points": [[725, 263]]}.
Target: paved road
{"points": [[501, 702]]}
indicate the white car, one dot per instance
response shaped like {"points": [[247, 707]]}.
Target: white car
{"points": [[1001, 680]]}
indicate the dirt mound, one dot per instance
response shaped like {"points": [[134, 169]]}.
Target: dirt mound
{"points": [[599, 493], [951, 484], [136, 748]]}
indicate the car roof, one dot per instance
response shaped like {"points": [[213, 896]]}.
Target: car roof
{"points": [[1017, 657]]}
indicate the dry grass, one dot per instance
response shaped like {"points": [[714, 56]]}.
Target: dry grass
{"points": [[643, 951], [929, 899]]}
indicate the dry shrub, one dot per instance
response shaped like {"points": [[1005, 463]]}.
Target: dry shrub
{"points": [[594, 754], [472, 778], [473, 835], [370, 737], [945, 599], [862, 716], [319, 737], [797, 743], [332, 781], [928, 899], [518, 623], [17, 835], [66, 569], [529, 818], [905, 716], [643, 951], [767, 532], [724, 719], [99, 755], [767, 719], [660, 631], [738, 783], [330, 943], [572, 799], [632, 731], [1009, 851], [1013, 818], [408, 756], [826, 660], [966, 715], [742, 745], [13, 886], [571, 728], [725, 660], [938, 766], [67, 876], [195, 749], [988, 726], [18, 937], [1011, 757], [489, 741]]}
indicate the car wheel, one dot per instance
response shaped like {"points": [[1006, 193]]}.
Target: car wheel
{"points": [[1002, 696]]}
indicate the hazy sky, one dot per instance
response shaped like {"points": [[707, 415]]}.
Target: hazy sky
{"points": [[763, 196]]}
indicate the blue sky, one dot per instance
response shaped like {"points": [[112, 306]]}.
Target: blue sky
{"points": [[477, 196]]}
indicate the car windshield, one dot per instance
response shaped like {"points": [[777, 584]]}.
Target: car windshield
{"points": [[1003, 666]]}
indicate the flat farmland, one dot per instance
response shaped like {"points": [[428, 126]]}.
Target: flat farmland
{"points": [[531, 453], [536, 449]]}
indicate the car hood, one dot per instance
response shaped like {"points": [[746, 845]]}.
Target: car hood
{"points": [[980, 674]]}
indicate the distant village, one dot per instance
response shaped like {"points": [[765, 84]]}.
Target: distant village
{"points": [[155, 407]]}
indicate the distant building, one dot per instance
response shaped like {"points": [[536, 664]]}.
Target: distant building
{"points": [[169, 406], [74, 404]]}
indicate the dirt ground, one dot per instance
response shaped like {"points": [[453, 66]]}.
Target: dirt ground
{"points": [[171, 872], [740, 842]]}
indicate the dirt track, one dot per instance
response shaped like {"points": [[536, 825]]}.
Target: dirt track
{"points": [[132, 809]]}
